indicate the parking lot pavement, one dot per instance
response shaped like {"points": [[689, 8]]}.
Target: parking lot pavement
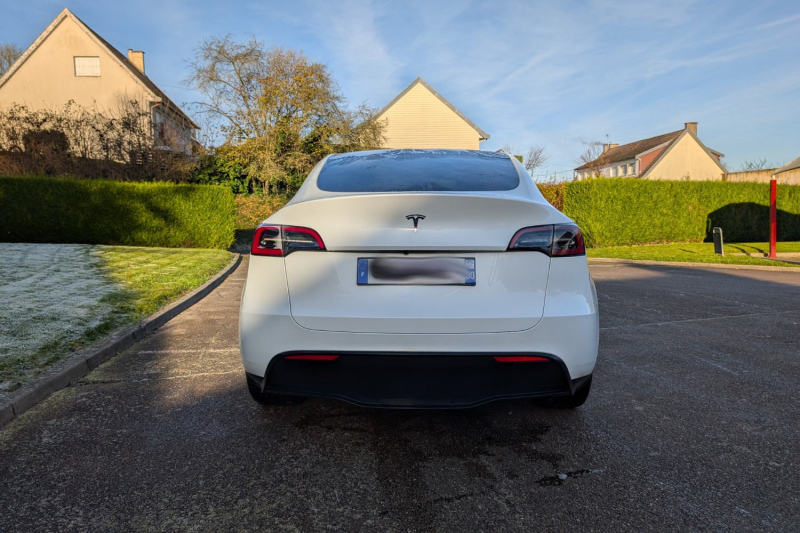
{"points": [[692, 425]]}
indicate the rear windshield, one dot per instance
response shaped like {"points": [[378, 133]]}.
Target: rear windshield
{"points": [[418, 170]]}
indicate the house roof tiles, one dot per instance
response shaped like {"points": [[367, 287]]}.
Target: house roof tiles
{"points": [[631, 150]]}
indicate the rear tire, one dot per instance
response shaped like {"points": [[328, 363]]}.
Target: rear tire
{"points": [[575, 400], [266, 398]]}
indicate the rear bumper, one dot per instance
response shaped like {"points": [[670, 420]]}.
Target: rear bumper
{"points": [[573, 340], [568, 329], [418, 380]]}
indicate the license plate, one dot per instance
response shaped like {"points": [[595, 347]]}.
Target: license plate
{"points": [[416, 271]]}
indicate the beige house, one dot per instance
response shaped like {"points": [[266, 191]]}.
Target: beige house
{"points": [[788, 174], [419, 117], [678, 155], [69, 61]]}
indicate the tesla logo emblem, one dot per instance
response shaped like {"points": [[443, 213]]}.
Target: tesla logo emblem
{"points": [[415, 219]]}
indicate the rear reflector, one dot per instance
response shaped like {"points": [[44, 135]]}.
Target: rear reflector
{"points": [[520, 359], [312, 357]]}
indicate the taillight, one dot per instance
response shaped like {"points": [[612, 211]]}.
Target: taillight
{"points": [[283, 240], [267, 241], [556, 241], [536, 239], [567, 240]]}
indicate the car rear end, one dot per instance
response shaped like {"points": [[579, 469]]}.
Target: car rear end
{"points": [[394, 280]]}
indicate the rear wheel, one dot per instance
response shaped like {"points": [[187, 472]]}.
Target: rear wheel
{"points": [[576, 400], [266, 398]]}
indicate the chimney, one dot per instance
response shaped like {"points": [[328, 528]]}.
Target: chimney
{"points": [[136, 58], [609, 146], [691, 126]]}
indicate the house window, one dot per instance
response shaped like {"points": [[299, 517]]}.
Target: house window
{"points": [[630, 169], [87, 66], [623, 170]]}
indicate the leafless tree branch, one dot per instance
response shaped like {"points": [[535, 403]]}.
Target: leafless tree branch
{"points": [[8, 54], [536, 157]]}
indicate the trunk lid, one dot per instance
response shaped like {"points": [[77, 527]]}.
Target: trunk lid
{"points": [[452, 221], [509, 290]]}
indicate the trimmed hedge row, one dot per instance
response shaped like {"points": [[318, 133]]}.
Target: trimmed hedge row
{"points": [[611, 211], [553, 193], [624, 211], [61, 210]]}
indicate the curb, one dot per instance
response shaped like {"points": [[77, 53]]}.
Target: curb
{"points": [[722, 266], [84, 362]]}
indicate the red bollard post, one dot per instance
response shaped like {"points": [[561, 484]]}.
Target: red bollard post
{"points": [[773, 217]]}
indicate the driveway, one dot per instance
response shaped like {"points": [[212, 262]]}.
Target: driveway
{"points": [[692, 425]]}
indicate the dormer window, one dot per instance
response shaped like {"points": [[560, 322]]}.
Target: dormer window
{"points": [[87, 66]]}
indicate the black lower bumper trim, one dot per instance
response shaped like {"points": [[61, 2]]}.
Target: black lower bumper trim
{"points": [[418, 380]]}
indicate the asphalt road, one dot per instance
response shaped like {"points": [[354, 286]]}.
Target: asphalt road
{"points": [[692, 425]]}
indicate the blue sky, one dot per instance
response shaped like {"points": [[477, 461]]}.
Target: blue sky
{"points": [[559, 74]]}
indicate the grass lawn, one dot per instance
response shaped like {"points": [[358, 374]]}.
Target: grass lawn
{"points": [[60, 298], [697, 252]]}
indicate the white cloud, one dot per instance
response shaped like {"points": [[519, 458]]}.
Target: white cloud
{"points": [[779, 22], [349, 32]]}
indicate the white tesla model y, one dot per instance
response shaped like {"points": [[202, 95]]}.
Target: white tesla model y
{"points": [[419, 278]]}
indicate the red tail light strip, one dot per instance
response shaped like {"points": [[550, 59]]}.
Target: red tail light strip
{"points": [[267, 241], [283, 240], [313, 357], [520, 359], [287, 230]]}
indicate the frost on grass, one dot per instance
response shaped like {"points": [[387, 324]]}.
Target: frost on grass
{"points": [[51, 297], [56, 298]]}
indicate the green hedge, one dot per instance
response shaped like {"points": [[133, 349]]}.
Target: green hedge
{"points": [[63, 210], [553, 193], [624, 211]]}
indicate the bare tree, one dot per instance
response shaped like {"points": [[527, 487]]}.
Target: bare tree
{"points": [[536, 157], [9, 53], [278, 111], [591, 157], [755, 164], [508, 149]]}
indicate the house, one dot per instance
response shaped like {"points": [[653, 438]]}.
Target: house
{"points": [[420, 117], [788, 174], [69, 61], [679, 155]]}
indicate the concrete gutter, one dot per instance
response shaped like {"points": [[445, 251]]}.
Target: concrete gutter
{"points": [[63, 374], [723, 266]]}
